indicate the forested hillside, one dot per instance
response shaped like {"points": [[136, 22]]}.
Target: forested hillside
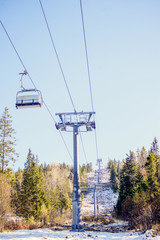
{"points": [[137, 179], [40, 194]]}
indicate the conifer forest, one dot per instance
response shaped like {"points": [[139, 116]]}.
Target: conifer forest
{"points": [[137, 180], [42, 193]]}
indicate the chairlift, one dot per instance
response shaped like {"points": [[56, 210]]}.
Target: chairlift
{"points": [[28, 98]]}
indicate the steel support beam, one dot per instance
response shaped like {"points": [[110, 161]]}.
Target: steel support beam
{"points": [[76, 201]]}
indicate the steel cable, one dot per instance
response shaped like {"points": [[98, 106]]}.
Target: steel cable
{"points": [[56, 52], [34, 85], [88, 71], [60, 65]]}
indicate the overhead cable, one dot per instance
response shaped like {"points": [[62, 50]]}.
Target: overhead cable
{"points": [[60, 65], [34, 86], [58, 130], [85, 156], [17, 52], [56, 52], [88, 70]]}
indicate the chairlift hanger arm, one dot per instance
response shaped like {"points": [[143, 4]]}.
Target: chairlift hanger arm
{"points": [[21, 80], [24, 73]]}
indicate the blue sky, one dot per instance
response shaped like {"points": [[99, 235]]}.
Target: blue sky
{"points": [[124, 55]]}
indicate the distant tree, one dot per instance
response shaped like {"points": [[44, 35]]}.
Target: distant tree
{"points": [[89, 167], [114, 168], [30, 160], [44, 167], [7, 140], [142, 157], [110, 163], [118, 169], [155, 146]]}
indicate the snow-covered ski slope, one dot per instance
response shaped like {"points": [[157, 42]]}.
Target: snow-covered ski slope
{"points": [[105, 196]]}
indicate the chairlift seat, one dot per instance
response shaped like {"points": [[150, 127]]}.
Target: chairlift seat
{"points": [[29, 98]]}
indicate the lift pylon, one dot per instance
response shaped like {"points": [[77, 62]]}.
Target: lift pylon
{"points": [[75, 121]]}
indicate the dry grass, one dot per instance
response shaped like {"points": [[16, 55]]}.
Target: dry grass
{"points": [[13, 225], [99, 219]]}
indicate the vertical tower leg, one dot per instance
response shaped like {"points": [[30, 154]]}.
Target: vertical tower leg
{"points": [[98, 176], [94, 197], [76, 202]]}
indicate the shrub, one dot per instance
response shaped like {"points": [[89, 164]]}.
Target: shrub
{"points": [[15, 225], [32, 224]]}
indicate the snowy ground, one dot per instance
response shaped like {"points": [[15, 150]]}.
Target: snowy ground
{"points": [[41, 234]]}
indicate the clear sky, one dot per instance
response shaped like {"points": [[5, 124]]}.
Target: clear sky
{"points": [[123, 38]]}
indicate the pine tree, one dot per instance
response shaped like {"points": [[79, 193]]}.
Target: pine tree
{"points": [[113, 178], [140, 184], [152, 176], [127, 181], [158, 169], [153, 186], [7, 140], [32, 194]]}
